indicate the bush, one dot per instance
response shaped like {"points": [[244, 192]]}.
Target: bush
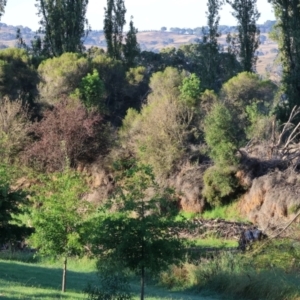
{"points": [[91, 91], [219, 185], [14, 127], [175, 276], [221, 135], [236, 276], [113, 283], [61, 137]]}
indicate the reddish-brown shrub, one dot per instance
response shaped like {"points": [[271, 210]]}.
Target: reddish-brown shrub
{"points": [[67, 134]]}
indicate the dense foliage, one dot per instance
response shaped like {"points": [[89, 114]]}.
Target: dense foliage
{"points": [[61, 140], [138, 134]]}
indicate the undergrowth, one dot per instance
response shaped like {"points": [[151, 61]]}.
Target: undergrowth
{"points": [[269, 273], [228, 212]]}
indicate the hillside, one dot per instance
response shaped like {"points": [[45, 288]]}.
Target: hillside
{"points": [[156, 40]]}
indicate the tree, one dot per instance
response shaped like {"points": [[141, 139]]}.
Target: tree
{"points": [[244, 93], [63, 26], [2, 7], [91, 91], [12, 204], [14, 129], [131, 48], [190, 90], [246, 88], [222, 138], [142, 233], [163, 29], [221, 135], [60, 76], [159, 134], [58, 215], [18, 77], [59, 135], [287, 13], [114, 22], [210, 41], [112, 73], [246, 13]]}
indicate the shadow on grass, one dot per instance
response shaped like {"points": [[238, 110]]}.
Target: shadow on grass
{"points": [[16, 296], [30, 275]]}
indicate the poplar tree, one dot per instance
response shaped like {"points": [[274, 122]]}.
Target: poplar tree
{"points": [[131, 48], [210, 41], [2, 7], [114, 22], [63, 26], [287, 13], [246, 13]]}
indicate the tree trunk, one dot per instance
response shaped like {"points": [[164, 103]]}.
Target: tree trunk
{"points": [[142, 283], [64, 277]]}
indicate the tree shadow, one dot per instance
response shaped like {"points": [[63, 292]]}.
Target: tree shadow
{"points": [[30, 275]]}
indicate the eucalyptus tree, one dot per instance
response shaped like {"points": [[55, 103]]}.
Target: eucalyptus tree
{"points": [[246, 13], [63, 26]]}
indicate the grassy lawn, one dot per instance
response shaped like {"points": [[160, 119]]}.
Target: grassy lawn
{"points": [[216, 243], [20, 280]]}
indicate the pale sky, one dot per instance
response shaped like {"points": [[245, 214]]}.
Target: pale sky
{"points": [[148, 14]]}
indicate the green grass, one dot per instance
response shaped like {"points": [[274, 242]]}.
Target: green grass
{"points": [[226, 212], [42, 280], [216, 243]]}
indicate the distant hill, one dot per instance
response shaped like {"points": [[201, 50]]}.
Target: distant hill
{"points": [[156, 40]]}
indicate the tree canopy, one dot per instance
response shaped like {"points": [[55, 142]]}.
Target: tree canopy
{"points": [[63, 25], [142, 233]]}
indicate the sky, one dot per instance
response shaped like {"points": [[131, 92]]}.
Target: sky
{"points": [[147, 14]]}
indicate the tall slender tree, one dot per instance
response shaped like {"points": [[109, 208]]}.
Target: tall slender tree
{"points": [[246, 13], [210, 41], [63, 25], [114, 22], [2, 7], [287, 13], [131, 48]]}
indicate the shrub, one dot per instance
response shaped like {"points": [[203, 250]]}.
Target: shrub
{"points": [[91, 91], [175, 276], [219, 185], [236, 276], [260, 123], [113, 283], [14, 127], [221, 135], [61, 137]]}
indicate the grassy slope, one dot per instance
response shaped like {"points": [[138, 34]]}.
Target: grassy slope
{"points": [[43, 281]]}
